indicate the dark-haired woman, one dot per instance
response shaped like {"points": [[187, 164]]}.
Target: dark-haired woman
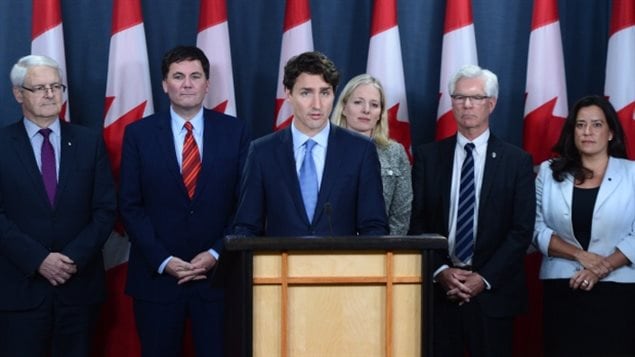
{"points": [[585, 228]]}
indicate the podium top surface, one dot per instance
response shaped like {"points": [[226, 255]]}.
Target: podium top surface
{"points": [[419, 242]]}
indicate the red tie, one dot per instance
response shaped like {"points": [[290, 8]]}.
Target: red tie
{"points": [[191, 164]]}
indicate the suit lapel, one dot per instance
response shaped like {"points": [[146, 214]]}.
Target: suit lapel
{"points": [[68, 158], [165, 143], [286, 164], [332, 163], [445, 166], [611, 181], [492, 163], [24, 153], [211, 145]]}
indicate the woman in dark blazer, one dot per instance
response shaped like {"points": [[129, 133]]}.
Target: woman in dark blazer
{"points": [[585, 228]]}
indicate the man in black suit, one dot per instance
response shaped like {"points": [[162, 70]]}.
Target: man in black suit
{"points": [[479, 192], [57, 208], [344, 193], [179, 185]]}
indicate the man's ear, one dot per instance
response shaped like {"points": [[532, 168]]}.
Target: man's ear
{"points": [[18, 95]]}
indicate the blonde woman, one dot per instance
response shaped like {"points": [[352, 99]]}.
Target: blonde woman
{"points": [[361, 107]]}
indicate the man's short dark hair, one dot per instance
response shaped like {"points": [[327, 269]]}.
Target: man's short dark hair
{"points": [[184, 53], [311, 63]]}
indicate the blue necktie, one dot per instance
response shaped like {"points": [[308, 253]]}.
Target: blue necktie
{"points": [[464, 244], [49, 175], [308, 180]]}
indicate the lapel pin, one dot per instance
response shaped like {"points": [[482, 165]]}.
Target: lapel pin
{"points": [[69, 143], [493, 155]]}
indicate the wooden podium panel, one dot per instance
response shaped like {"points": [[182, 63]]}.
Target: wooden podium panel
{"points": [[344, 303]]}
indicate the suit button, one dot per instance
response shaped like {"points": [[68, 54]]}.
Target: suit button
{"points": [[191, 211]]}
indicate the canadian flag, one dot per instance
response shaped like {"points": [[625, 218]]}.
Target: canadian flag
{"points": [[128, 98], [213, 39], [385, 64], [546, 97], [620, 68], [48, 39], [297, 38], [458, 49]]}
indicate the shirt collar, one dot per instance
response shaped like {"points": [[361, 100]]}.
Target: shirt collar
{"points": [[32, 129], [320, 138], [479, 143], [178, 121]]}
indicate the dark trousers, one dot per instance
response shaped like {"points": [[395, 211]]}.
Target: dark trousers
{"points": [[52, 329], [458, 329], [161, 326]]}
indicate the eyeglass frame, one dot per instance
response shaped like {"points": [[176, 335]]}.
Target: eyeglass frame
{"points": [[43, 89], [476, 99]]}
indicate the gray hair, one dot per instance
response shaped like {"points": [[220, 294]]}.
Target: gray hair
{"points": [[20, 69], [473, 71]]}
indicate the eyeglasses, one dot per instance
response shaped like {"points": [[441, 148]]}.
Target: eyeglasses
{"points": [[42, 90], [475, 99]]}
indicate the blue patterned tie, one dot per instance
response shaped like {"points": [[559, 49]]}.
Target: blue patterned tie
{"points": [[464, 244], [308, 180]]}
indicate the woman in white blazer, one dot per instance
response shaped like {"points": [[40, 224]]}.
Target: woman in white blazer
{"points": [[585, 229]]}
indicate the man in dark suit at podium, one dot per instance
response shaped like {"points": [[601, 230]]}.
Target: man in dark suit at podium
{"points": [[311, 178], [479, 192], [57, 208]]}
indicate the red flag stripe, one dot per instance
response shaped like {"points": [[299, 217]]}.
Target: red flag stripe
{"points": [[458, 13], [213, 12], [545, 13], [384, 16], [125, 14], [622, 15], [46, 15], [296, 13]]}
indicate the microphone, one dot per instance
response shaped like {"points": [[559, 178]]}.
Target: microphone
{"points": [[328, 210]]}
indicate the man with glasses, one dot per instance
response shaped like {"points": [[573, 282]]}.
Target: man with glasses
{"points": [[479, 192], [57, 208]]}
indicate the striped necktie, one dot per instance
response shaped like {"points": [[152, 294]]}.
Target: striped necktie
{"points": [[464, 243], [191, 164]]}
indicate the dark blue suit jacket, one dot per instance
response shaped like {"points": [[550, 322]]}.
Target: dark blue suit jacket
{"points": [[350, 200], [158, 215], [77, 226], [506, 216]]}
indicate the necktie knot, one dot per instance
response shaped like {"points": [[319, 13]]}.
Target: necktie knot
{"points": [[309, 145], [469, 147], [45, 132], [188, 126]]}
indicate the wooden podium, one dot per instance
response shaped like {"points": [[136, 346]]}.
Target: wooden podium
{"points": [[334, 296]]}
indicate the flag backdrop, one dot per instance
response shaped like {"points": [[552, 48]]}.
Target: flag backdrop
{"points": [[213, 39], [385, 63], [48, 39], [459, 48], [620, 68], [128, 98], [546, 104], [297, 38]]}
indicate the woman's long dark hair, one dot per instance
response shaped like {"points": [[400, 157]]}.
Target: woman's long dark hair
{"points": [[568, 160]]}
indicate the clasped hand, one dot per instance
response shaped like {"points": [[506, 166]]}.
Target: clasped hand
{"points": [[57, 268], [461, 285], [196, 269]]}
